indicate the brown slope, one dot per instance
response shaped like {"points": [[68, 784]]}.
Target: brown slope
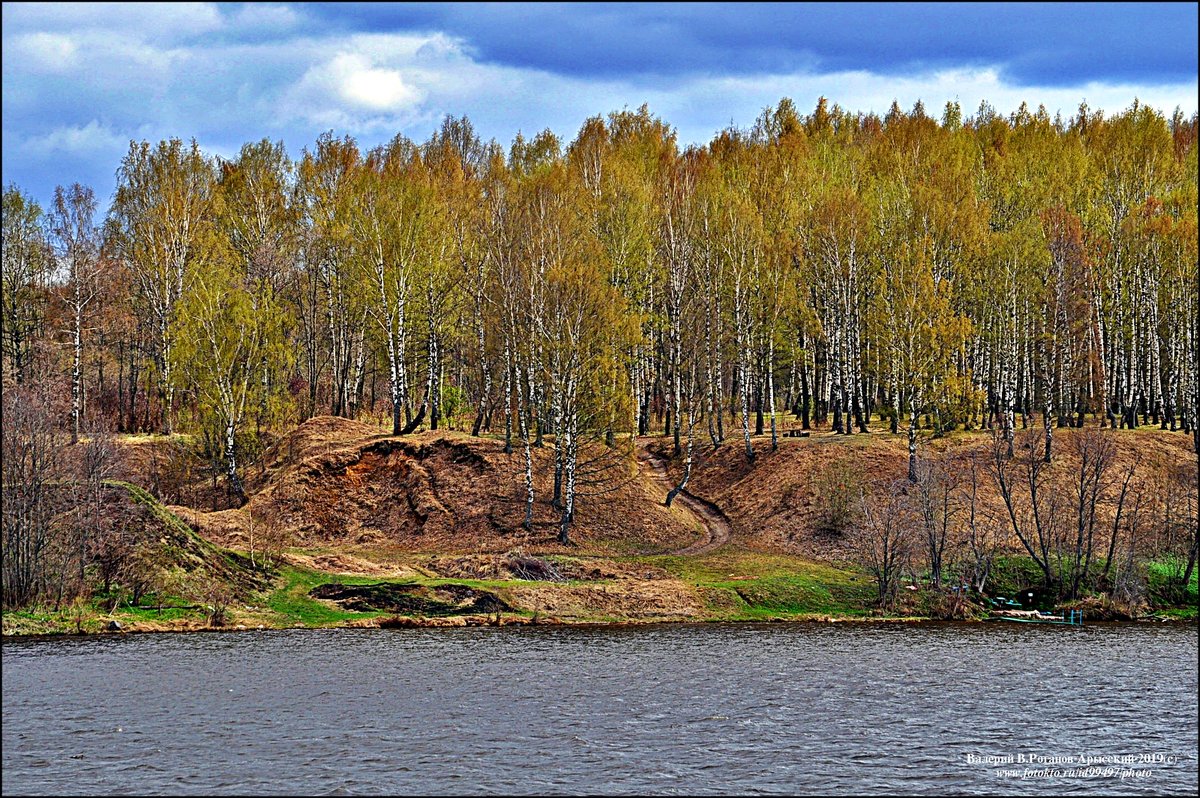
{"points": [[774, 503], [709, 517], [333, 481]]}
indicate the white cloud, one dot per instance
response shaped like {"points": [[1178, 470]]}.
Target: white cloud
{"points": [[90, 139], [261, 17], [47, 52], [356, 81], [380, 89], [368, 83]]}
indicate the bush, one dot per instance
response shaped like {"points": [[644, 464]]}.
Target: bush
{"points": [[1011, 573], [838, 489]]}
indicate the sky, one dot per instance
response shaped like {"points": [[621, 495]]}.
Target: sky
{"points": [[81, 80]]}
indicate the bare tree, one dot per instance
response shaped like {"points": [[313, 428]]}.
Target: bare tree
{"points": [[268, 538], [982, 537], [937, 500], [1177, 528], [886, 539], [32, 472], [1032, 505], [1129, 586], [1129, 471], [1094, 452], [94, 469]]}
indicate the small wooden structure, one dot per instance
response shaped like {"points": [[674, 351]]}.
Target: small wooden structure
{"points": [[1065, 618]]}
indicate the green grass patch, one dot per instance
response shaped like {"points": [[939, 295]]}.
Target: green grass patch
{"points": [[1176, 613], [94, 616], [739, 585], [167, 613], [47, 621], [1012, 573], [140, 495], [291, 599], [1161, 574]]}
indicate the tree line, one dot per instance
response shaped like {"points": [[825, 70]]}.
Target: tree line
{"points": [[855, 271]]}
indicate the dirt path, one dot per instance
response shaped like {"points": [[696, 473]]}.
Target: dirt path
{"points": [[716, 526]]}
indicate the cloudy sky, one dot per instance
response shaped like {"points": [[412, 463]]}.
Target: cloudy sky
{"points": [[81, 80]]}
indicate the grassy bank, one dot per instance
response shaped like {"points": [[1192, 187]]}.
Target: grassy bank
{"points": [[723, 586], [729, 584], [752, 586]]}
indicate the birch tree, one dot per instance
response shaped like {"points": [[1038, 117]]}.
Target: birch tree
{"points": [[458, 160], [257, 212], [334, 308], [159, 216], [739, 236], [395, 231], [27, 266], [920, 334], [77, 246], [676, 234], [228, 339]]}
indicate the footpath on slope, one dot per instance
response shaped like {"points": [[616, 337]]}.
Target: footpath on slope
{"points": [[716, 526]]}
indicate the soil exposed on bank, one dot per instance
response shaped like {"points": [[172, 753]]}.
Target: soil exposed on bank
{"points": [[426, 529], [335, 482]]}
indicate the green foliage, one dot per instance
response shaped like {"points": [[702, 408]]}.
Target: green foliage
{"points": [[454, 400], [1164, 578], [1011, 574]]}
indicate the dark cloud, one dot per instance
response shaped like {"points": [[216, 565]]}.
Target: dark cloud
{"points": [[1053, 44]]}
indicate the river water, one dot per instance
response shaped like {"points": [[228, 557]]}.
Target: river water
{"points": [[779, 708]]}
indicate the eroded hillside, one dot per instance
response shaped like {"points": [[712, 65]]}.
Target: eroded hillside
{"points": [[778, 503], [334, 481]]}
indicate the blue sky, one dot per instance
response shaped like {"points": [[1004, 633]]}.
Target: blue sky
{"points": [[79, 81]]}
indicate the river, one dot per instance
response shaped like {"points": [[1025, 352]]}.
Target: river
{"points": [[670, 709]]}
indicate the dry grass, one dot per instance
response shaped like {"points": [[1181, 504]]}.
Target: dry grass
{"points": [[660, 599], [347, 564], [773, 503], [344, 486], [334, 481]]}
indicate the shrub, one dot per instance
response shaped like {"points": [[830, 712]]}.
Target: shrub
{"points": [[838, 489]]}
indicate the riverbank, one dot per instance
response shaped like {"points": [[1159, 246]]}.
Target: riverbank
{"points": [[323, 589], [426, 530]]}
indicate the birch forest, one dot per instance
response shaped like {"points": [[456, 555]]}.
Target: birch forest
{"points": [[906, 274]]}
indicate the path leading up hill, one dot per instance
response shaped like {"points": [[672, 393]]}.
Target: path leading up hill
{"points": [[716, 526]]}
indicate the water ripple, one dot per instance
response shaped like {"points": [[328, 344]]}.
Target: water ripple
{"points": [[666, 710]]}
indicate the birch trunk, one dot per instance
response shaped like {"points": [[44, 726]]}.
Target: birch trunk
{"points": [[771, 390], [76, 372], [912, 438]]}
